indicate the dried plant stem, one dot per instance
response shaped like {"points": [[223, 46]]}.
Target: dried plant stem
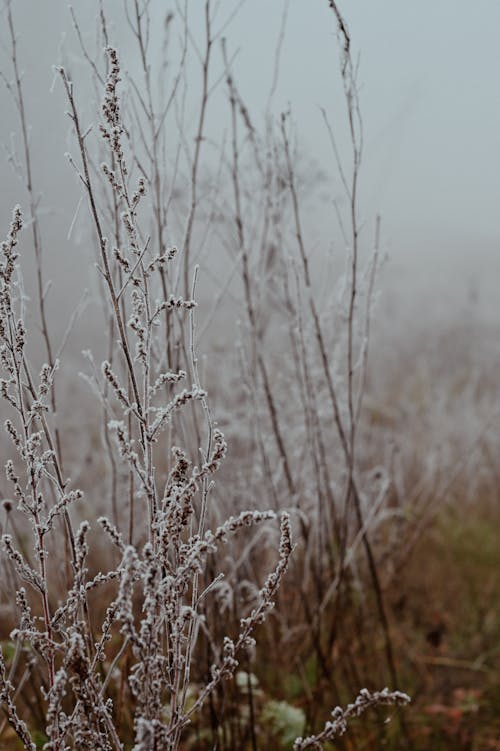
{"points": [[197, 147], [257, 355]]}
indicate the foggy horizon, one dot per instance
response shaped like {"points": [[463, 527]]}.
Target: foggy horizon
{"points": [[427, 96]]}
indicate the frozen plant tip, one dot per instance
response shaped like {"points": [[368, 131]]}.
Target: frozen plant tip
{"points": [[337, 726]]}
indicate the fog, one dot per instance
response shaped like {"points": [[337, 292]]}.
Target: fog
{"points": [[322, 329], [429, 95]]}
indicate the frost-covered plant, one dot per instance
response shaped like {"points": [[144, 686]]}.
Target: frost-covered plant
{"points": [[124, 640], [160, 583], [156, 608], [306, 393], [337, 726]]}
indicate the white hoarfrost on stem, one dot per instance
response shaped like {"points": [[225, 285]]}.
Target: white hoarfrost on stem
{"points": [[123, 652], [157, 607], [337, 726]]}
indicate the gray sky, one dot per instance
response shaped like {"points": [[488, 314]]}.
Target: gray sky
{"points": [[430, 98]]}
